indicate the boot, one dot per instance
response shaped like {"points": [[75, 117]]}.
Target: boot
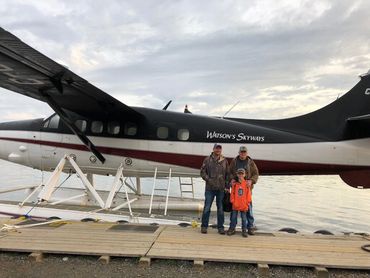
{"points": [[230, 232], [244, 233], [203, 230], [251, 232], [221, 231]]}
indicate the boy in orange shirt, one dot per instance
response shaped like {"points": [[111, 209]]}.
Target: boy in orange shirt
{"points": [[240, 198]]}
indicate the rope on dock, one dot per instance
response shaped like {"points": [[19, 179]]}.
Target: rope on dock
{"points": [[8, 228]]}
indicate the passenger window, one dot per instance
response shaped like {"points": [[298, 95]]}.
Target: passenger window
{"points": [[162, 132], [113, 128], [97, 127], [130, 129], [54, 122], [183, 134], [81, 125]]}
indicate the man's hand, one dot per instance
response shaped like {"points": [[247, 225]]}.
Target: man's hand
{"points": [[249, 183]]}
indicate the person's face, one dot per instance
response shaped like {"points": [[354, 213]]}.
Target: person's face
{"points": [[240, 176], [217, 151], [243, 154]]}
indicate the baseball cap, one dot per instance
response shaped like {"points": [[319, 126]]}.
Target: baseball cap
{"points": [[243, 149], [217, 145], [240, 170]]}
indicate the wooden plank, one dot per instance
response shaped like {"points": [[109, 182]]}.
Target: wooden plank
{"points": [[321, 272], [163, 248], [89, 252], [241, 250], [294, 244], [144, 261], [255, 255], [352, 247], [262, 258], [199, 263], [104, 259], [36, 256], [79, 238], [263, 270]]}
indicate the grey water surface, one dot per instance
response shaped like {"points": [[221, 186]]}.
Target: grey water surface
{"points": [[306, 203]]}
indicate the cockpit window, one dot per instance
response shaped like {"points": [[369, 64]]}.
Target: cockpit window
{"points": [[53, 122]]}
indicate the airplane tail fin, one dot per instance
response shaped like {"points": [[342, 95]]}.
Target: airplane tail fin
{"points": [[343, 119], [346, 118]]}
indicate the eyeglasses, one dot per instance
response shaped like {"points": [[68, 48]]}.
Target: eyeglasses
{"points": [[243, 151]]}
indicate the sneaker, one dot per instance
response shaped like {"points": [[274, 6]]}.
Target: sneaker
{"points": [[244, 233], [251, 232], [203, 230], [230, 232], [221, 231]]}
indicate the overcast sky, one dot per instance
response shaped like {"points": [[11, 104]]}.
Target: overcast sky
{"points": [[278, 58]]}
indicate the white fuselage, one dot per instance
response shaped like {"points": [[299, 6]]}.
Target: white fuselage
{"points": [[29, 148]]}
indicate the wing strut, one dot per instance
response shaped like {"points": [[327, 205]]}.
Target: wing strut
{"points": [[67, 121]]}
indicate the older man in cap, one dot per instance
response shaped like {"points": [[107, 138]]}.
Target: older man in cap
{"points": [[214, 171], [247, 163]]}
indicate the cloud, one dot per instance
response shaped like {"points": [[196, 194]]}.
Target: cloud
{"points": [[278, 58], [14, 107]]}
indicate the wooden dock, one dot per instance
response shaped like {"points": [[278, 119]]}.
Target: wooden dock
{"points": [[187, 243]]}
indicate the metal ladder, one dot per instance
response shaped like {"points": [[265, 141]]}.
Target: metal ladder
{"points": [[186, 184], [154, 189]]}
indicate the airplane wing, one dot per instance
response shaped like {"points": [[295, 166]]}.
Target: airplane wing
{"points": [[26, 71]]}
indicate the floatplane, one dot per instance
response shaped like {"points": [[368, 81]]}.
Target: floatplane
{"points": [[91, 132]]}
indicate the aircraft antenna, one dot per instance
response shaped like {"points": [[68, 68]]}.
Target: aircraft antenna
{"points": [[168, 104], [232, 107]]}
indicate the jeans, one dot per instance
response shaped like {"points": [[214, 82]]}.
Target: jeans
{"points": [[234, 219], [250, 217], [209, 197]]}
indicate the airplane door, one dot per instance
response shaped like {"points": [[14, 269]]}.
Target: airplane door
{"points": [[34, 155], [49, 140]]}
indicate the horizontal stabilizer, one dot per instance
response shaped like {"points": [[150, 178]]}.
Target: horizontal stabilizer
{"points": [[26, 71]]}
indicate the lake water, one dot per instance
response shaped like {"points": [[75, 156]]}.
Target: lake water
{"points": [[306, 203]]}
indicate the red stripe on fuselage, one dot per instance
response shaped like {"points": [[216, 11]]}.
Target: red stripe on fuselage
{"points": [[265, 167]]}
